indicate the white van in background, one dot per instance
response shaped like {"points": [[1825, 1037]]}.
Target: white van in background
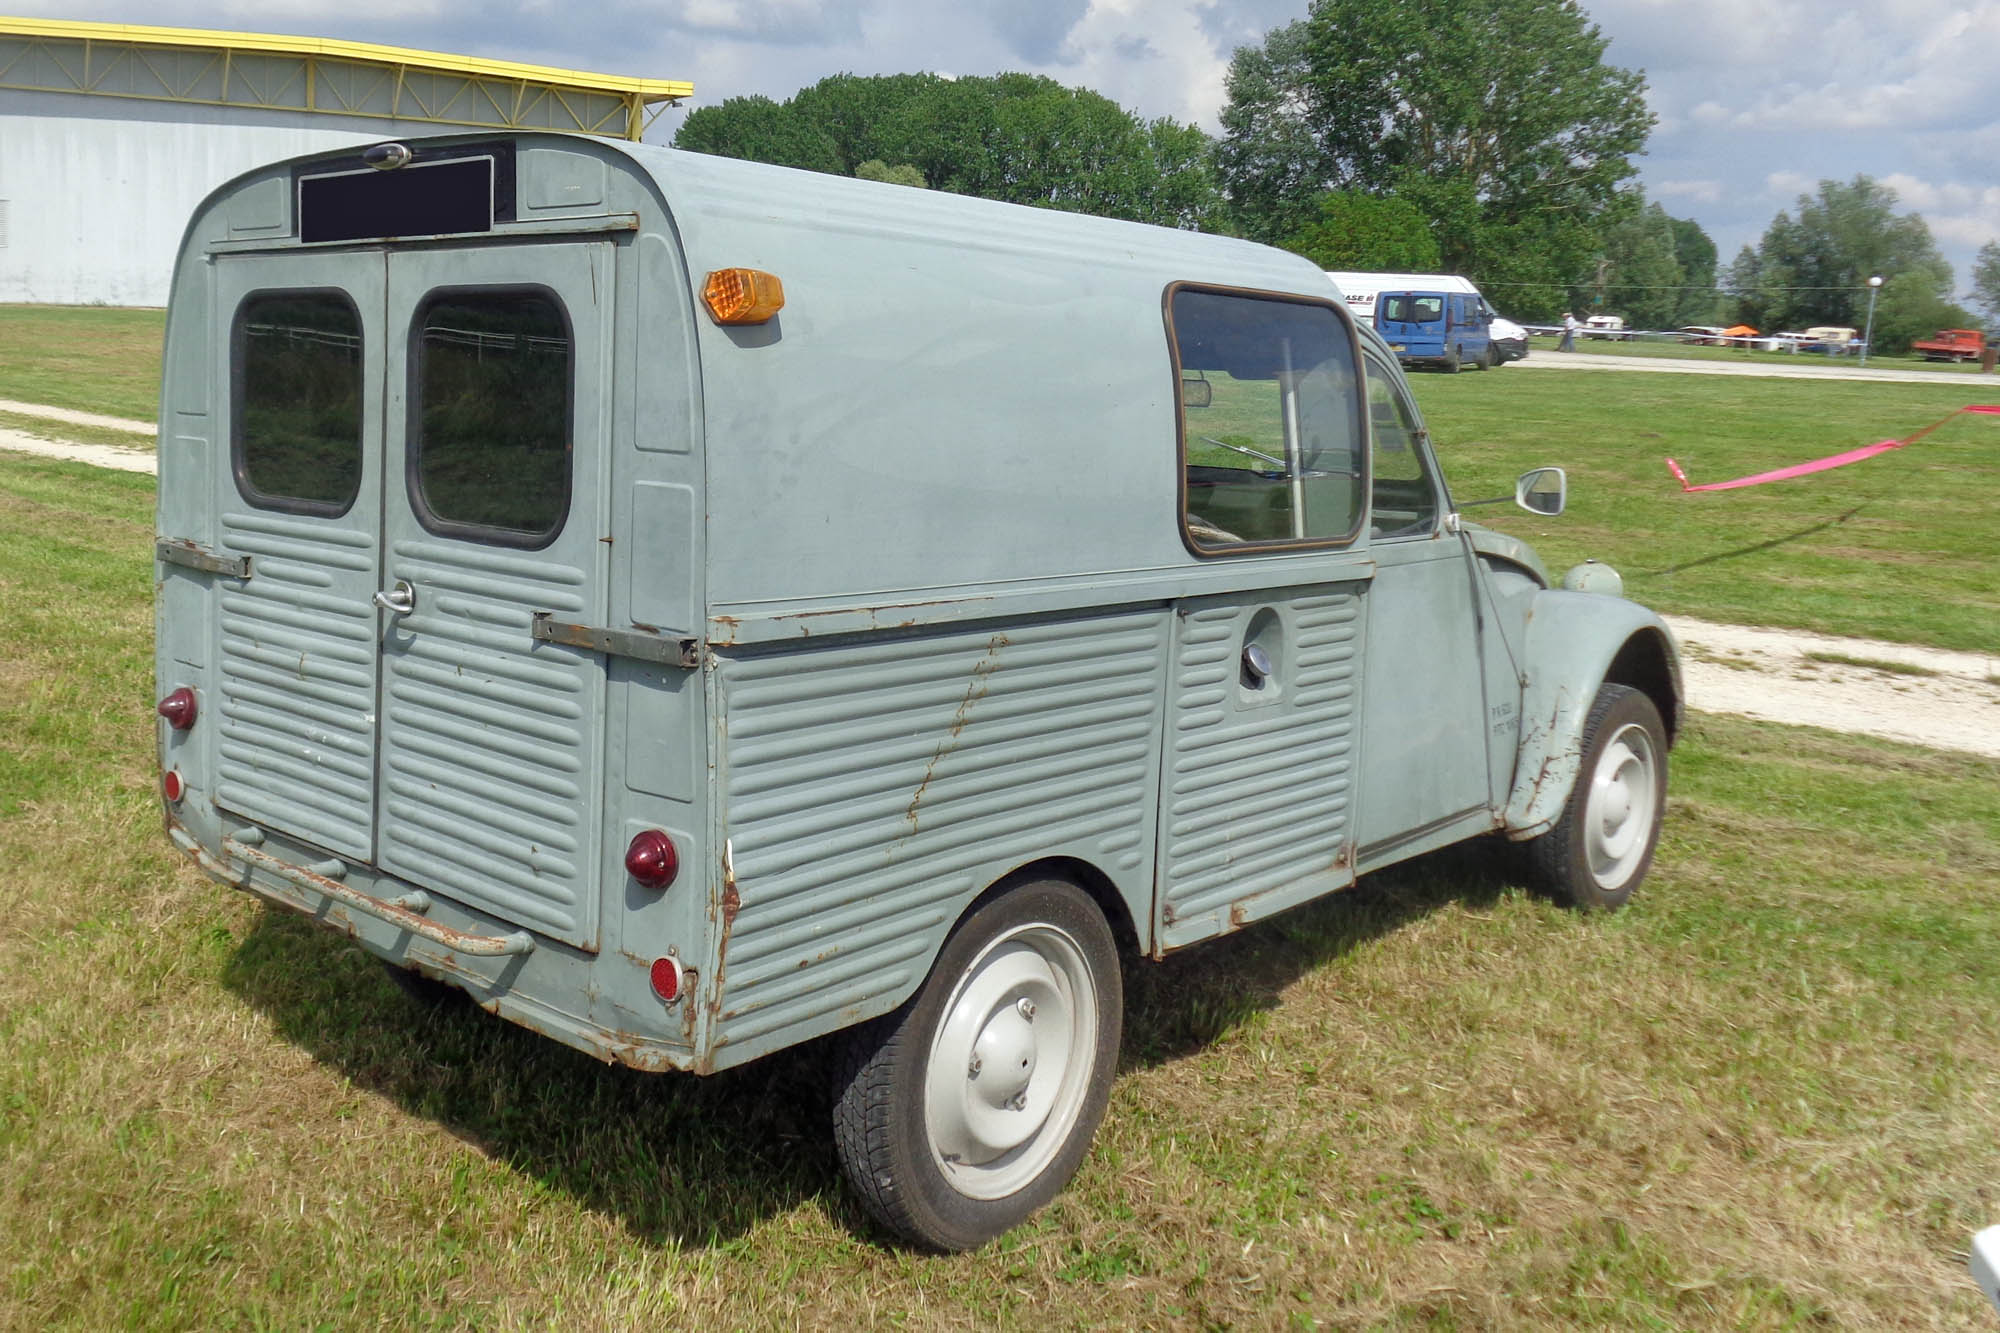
{"points": [[1359, 290]]}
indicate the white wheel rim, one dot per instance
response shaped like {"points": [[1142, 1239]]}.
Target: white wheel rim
{"points": [[1011, 1062], [1621, 807]]}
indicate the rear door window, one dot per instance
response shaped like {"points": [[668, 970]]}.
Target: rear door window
{"points": [[296, 386], [490, 429], [1413, 309]]}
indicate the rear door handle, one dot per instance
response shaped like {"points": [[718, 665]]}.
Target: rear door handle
{"points": [[399, 600]]}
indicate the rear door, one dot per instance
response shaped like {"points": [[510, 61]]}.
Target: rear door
{"points": [[300, 495], [496, 424]]}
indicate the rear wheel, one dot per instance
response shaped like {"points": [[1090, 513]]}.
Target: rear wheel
{"points": [[1602, 845], [1451, 361], [971, 1106]]}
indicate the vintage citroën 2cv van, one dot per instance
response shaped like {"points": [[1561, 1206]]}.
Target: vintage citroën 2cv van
{"points": [[696, 607]]}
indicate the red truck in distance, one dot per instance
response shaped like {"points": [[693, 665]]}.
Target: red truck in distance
{"points": [[1951, 345]]}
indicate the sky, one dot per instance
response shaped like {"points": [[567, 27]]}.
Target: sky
{"points": [[1757, 100]]}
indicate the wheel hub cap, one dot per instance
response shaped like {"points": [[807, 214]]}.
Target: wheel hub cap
{"points": [[1622, 807], [1010, 1063]]}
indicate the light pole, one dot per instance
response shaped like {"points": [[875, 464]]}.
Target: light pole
{"points": [[1867, 337]]}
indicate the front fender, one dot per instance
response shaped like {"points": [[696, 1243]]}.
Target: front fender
{"points": [[1576, 642]]}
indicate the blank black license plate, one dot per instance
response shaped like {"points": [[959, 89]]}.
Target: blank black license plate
{"points": [[421, 199]]}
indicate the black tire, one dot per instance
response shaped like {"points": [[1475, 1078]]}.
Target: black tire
{"points": [[1486, 357], [1451, 361], [426, 991], [1042, 943], [1602, 845]]}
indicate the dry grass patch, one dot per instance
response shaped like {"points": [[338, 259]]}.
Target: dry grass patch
{"points": [[1870, 663]]}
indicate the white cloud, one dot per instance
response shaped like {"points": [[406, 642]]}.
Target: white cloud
{"points": [[1789, 184], [1152, 55], [1702, 191]]}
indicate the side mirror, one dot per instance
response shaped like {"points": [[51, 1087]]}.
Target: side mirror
{"points": [[1543, 491], [1196, 392]]}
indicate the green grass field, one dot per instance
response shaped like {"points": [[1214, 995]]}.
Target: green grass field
{"points": [[90, 358], [1899, 547], [1763, 1097]]}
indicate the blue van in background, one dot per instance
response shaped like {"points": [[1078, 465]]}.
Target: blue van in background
{"points": [[1437, 328]]}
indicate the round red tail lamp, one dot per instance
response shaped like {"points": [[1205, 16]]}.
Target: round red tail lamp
{"points": [[667, 975], [178, 708], [652, 860], [172, 787]]}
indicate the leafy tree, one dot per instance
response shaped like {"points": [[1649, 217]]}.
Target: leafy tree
{"points": [[875, 169], [761, 130], [1498, 118], [1745, 301], [1913, 305], [1986, 279], [1699, 302], [1367, 232], [1644, 271], [1814, 268], [1018, 137]]}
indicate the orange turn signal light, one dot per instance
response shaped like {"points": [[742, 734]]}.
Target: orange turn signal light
{"points": [[743, 295]]}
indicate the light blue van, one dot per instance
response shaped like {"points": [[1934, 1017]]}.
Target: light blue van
{"points": [[696, 607], [1437, 328]]}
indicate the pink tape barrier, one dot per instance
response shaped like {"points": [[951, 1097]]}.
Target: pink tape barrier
{"points": [[1823, 464]]}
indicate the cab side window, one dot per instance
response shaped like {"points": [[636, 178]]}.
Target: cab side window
{"points": [[1273, 445], [1404, 493]]}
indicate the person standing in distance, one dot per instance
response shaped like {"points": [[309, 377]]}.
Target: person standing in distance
{"points": [[1570, 326]]}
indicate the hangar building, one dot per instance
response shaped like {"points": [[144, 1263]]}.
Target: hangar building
{"points": [[110, 134]]}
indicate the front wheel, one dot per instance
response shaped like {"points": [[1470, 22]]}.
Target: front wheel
{"points": [[1602, 845], [971, 1106]]}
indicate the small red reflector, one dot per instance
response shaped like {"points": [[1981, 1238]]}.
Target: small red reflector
{"points": [[172, 786], [666, 975], [652, 860], [178, 709]]}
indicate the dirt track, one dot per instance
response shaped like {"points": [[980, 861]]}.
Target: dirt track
{"points": [[1808, 368]]}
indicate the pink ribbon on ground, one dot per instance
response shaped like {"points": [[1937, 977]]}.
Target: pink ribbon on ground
{"points": [[1822, 464]]}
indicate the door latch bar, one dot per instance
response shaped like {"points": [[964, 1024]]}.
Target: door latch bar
{"points": [[545, 628], [181, 551]]}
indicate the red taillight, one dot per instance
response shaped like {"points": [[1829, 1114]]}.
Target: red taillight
{"points": [[666, 974], [172, 786], [178, 709], [652, 860]]}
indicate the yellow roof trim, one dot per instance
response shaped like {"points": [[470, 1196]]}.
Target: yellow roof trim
{"points": [[646, 90]]}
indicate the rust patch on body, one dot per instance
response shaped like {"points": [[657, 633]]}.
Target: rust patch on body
{"points": [[975, 690]]}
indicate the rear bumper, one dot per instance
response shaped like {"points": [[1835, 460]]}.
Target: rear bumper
{"points": [[503, 969]]}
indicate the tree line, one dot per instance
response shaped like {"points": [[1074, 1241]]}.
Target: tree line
{"points": [[1483, 137]]}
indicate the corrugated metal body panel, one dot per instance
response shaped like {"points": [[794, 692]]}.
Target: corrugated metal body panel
{"points": [[873, 788], [489, 758], [297, 671], [1258, 792]]}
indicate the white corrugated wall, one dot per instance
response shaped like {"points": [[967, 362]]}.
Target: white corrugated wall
{"points": [[95, 191]]}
